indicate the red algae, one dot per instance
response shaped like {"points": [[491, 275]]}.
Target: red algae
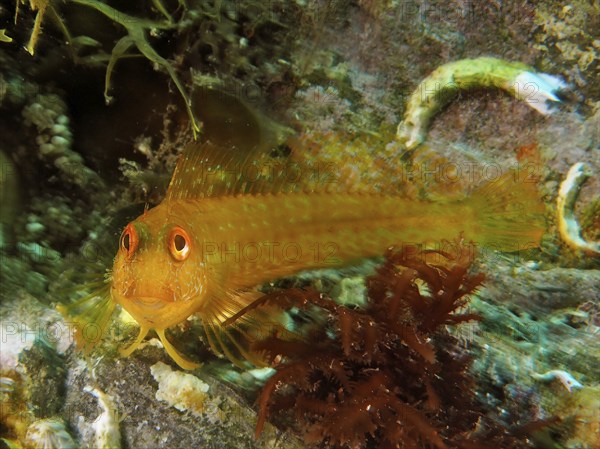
{"points": [[391, 375]]}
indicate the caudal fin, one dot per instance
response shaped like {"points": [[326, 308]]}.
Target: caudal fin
{"points": [[510, 212]]}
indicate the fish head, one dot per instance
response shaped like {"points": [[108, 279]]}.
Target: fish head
{"points": [[157, 276]]}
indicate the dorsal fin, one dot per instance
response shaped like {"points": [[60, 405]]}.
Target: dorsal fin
{"points": [[209, 170]]}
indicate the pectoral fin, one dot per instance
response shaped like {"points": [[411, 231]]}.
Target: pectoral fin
{"points": [[142, 334], [179, 359], [232, 325]]}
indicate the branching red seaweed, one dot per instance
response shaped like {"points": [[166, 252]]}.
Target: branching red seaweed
{"points": [[389, 374]]}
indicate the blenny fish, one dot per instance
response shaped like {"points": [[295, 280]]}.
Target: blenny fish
{"points": [[218, 235]]}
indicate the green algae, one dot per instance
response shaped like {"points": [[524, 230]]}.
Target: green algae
{"points": [[137, 36], [137, 30]]}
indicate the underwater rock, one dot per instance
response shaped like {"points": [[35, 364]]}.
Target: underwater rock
{"points": [[579, 412], [33, 372], [225, 421], [541, 291], [568, 36], [43, 379], [536, 348], [28, 323]]}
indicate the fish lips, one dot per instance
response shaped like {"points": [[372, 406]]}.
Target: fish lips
{"points": [[148, 302]]}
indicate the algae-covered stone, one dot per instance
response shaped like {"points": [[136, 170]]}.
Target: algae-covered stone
{"points": [[224, 420], [44, 379]]}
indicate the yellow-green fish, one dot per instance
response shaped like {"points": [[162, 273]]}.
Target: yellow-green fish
{"points": [[211, 241]]}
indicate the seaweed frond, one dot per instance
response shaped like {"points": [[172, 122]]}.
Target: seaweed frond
{"points": [[35, 5], [137, 29], [389, 374]]}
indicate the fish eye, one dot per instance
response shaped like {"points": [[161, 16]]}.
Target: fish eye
{"points": [[129, 240], [179, 244]]}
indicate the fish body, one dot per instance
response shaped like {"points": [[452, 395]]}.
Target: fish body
{"points": [[236, 243], [203, 254], [240, 242]]}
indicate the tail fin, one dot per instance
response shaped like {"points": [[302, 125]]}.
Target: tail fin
{"points": [[510, 212]]}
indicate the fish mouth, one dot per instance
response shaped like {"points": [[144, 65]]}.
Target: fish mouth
{"points": [[156, 311], [147, 302]]}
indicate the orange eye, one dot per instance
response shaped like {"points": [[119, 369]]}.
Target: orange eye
{"points": [[179, 243], [129, 240]]}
